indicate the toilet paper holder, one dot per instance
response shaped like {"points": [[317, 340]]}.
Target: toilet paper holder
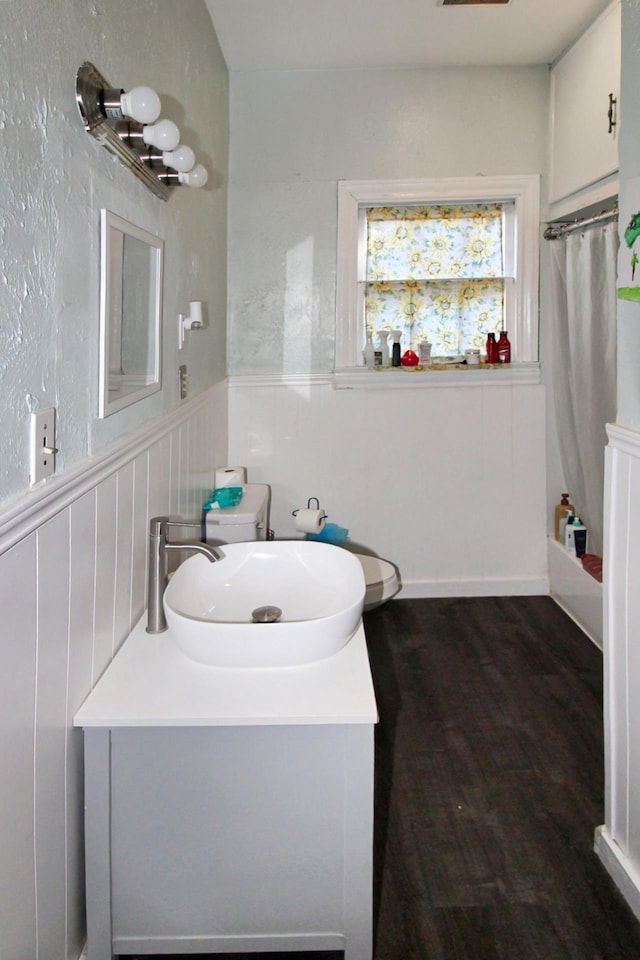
{"points": [[294, 513]]}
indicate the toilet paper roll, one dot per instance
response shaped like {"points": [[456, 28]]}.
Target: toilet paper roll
{"points": [[310, 521], [231, 476]]}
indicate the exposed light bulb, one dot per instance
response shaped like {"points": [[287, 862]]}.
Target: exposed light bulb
{"points": [[164, 135], [141, 104], [182, 158], [194, 178]]}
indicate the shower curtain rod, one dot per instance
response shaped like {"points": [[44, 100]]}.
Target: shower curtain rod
{"points": [[555, 231]]}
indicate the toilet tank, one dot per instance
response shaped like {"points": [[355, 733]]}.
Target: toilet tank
{"points": [[246, 521]]}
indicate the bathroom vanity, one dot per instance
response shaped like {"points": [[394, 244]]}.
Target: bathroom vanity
{"points": [[228, 810]]}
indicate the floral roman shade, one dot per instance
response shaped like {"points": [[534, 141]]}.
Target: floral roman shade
{"points": [[436, 273]]}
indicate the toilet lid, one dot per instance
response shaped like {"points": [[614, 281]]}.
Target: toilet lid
{"points": [[376, 570]]}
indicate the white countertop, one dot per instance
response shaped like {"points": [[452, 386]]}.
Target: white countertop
{"points": [[151, 683]]}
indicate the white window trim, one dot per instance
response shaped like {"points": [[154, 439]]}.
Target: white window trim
{"points": [[354, 194]]}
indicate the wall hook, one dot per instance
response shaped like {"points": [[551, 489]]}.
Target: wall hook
{"points": [[191, 322]]}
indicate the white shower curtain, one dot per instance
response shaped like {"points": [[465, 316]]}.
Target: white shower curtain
{"points": [[584, 363]]}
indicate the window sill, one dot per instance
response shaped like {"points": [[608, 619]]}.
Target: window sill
{"points": [[349, 378]]}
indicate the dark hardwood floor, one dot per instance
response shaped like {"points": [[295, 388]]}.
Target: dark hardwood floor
{"points": [[489, 783]]}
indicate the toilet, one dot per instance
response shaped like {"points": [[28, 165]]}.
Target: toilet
{"points": [[249, 520], [381, 578]]}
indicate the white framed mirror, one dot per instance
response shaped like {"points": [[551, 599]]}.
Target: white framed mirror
{"points": [[131, 263]]}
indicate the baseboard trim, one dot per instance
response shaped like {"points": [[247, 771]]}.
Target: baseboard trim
{"points": [[620, 869], [513, 587], [230, 943]]}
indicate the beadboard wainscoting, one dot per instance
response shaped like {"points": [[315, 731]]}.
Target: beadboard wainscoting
{"points": [[445, 481], [618, 841], [73, 557]]}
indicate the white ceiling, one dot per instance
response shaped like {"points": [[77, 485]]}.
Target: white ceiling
{"points": [[343, 34]]}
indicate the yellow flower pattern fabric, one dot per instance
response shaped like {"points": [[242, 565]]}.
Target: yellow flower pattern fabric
{"points": [[435, 273]]}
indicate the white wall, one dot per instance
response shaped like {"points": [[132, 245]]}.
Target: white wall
{"points": [[449, 492], [447, 483], [56, 178]]}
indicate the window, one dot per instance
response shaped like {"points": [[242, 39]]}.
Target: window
{"points": [[443, 260], [437, 273]]}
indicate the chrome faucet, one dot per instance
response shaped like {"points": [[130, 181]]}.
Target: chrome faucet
{"points": [[159, 548]]}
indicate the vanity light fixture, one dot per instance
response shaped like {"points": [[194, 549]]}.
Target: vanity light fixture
{"points": [[193, 178], [127, 125], [182, 159], [164, 135], [141, 104]]}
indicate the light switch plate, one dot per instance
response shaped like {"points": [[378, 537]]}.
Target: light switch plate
{"points": [[43, 445]]}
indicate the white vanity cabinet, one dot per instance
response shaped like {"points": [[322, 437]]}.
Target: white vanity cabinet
{"points": [[228, 810], [584, 145]]}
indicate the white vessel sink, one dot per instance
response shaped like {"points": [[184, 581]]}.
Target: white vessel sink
{"points": [[318, 587]]}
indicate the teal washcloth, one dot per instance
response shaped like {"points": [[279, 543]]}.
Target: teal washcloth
{"points": [[224, 497], [330, 533]]}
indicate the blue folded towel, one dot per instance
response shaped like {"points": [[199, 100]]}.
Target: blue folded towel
{"points": [[224, 497], [330, 533]]}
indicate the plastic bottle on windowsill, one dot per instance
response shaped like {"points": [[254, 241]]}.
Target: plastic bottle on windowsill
{"points": [[384, 347], [395, 350], [492, 348], [369, 353], [504, 348]]}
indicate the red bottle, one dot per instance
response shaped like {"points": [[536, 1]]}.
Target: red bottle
{"points": [[492, 348], [504, 348]]}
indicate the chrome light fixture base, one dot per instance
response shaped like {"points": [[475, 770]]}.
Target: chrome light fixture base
{"points": [[97, 102]]}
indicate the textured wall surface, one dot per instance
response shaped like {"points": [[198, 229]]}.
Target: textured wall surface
{"points": [[56, 178], [73, 551], [296, 133]]}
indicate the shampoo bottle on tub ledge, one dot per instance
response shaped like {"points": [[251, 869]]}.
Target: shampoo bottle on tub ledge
{"points": [[569, 539], [562, 509], [579, 537]]}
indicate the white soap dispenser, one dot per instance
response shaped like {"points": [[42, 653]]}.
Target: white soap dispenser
{"points": [[384, 347]]}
